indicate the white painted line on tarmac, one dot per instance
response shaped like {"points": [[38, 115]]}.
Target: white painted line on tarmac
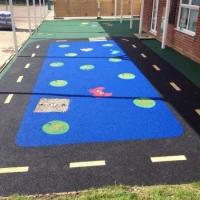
{"points": [[33, 55], [61, 40], [97, 39], [27, 66], [49, 34], [19, 79], [134, 46], [87, 164], [156, 67], [168, 158], [13, 170], [175, 86], [8, 99], [198, 111], [38, 46], [143, 55]]}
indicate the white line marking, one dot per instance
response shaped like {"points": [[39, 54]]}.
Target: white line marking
{"points": [[61, 40], [8, 99], [198, 111], [87, 164], [27, 66], [13, 170], [156, 67], [40, 33], [124, 39], [97, 39], [175, 86], [168, 158], [19, 79], [134, 46], [143, 55], [33, 55], [38, 46], [49, 34]]}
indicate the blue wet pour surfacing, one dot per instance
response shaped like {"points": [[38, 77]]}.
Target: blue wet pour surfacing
{"points": [[102, 107]]}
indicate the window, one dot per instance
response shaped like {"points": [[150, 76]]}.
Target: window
{"points": [[188, 15]]}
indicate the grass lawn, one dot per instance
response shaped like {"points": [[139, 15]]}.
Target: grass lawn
{"points": [[161, 192]]}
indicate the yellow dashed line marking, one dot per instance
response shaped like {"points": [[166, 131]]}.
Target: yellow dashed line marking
{"points": [[8, 99], [198, 111], [19, 79], [143, 55], [38, 46], [87, 164], [33, 55], [156, 67], [134, 46], [168, 158], [27, 66], [13, 170], [175, 86], [97, 39]]}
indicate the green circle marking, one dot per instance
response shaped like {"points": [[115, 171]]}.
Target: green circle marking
{"points": [[87, 67], [115, 59], [55, 127], [71, 54], [56, 64], [63, 46], [126, 76], [107, 45], [144, 103], [58, 83]]}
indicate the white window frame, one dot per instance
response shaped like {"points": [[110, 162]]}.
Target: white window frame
{"points": [[190, 6]]}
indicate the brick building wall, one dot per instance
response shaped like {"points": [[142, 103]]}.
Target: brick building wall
{"points": [[182, 42]]}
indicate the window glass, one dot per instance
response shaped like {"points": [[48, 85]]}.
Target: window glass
{"points": [[193, 20], [184, 17], [196, 2], [185, 1]]}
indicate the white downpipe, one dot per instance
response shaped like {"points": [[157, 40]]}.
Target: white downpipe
{"points": [[141, 17], [122, 3], [28, 12], [98, 9], [40, 11], [115, 9], [34, 15], [44, 9], [13, 27], [165, 24], [131, 19]]}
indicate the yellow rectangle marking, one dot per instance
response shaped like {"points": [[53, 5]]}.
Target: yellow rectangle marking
{"points": [[198, 111], [87, 164], [125, 39], [168, 158], [33, 55], [19, 79], [13, 170], [175, 86], [8, 99], [38, 46], [27, 65], [97, 39], [156, 67], [143, 55], [133, 46]]}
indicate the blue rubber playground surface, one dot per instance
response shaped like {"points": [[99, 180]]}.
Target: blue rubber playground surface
{"points": [[110, 99]]}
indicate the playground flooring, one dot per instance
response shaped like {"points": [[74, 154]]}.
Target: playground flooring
{"points": [[86, 104]]}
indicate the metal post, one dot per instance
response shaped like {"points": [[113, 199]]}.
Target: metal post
{"points": [[6, 5], [98, 10], [34, 15], [141, 17], [131, 19], [122, 2], [44, 9], [13, 27], [115, 9], [28, 12], [164, 37], [40, 11]]}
